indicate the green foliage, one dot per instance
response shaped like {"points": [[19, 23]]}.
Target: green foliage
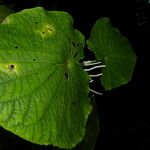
{"points": [[43, 88], [4, 12], [92, 130], [115, 50]]}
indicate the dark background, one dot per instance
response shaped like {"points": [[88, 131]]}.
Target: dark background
{"points": [[124, 111]]}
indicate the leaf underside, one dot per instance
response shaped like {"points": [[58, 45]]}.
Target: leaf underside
{"points": [[43, 89], [115, 50]]}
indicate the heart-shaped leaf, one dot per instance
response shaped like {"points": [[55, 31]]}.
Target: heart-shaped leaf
{"points": [[115, 50], [43, 88]]}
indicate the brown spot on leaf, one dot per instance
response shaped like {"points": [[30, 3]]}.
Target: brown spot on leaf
{"points": [[66, 75], [11, 67]]}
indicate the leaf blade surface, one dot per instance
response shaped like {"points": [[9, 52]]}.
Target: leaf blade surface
{"points": [[43, 89]]}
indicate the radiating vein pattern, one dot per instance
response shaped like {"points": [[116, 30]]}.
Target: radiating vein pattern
{"points": [[43, 89]]}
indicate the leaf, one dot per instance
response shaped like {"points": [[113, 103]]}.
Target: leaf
{"points": [[4, 12], [115, 50], [43, 88], [92, 130]]}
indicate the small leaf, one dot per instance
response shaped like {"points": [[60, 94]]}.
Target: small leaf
{"points": [[4, 12], [115, 50], [43, 88]]}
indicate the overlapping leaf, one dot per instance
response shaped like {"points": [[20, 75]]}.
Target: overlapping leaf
{"points": [[4, 12]]}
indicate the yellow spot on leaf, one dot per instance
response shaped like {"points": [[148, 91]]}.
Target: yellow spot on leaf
{"points": [[46, 31], [9, 68]]}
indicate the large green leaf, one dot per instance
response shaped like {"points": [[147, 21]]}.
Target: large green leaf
{"points": [[114, 49], [43, 88], [92, 130]]}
